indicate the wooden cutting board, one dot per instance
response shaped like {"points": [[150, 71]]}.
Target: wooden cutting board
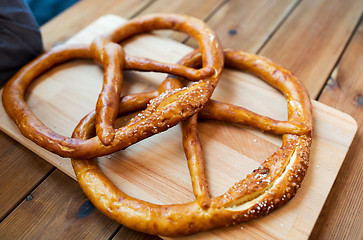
{"points": [[155, 169]]}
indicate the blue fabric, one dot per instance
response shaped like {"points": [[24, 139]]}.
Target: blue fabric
{"points": [[20, 39], [44, 10]]}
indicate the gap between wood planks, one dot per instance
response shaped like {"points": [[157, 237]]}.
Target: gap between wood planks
{"points": [[331, 74]]}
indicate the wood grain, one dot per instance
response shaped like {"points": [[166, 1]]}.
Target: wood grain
{"points": [[127, 234], [155, 170], [344, 91], [21, 171], [198, 9], [320, 23], [57, 209], [82, 14], [246, 25]]}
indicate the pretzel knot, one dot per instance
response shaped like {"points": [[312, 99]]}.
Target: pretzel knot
{"points": [[265, 189], [167, 110]]}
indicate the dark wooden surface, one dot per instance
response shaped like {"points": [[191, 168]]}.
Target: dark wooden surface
{"points": [[321, 41]]}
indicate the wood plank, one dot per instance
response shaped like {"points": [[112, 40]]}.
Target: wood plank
{"points": [[198, 9], [163, 152], [21, 171], [128, 234], [342, 216], [312, 38], [70, 22], [246, 25], [57, 209]]}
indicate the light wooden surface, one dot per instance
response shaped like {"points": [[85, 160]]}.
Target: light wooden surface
{"points": [[158, 164], [343, 91]]}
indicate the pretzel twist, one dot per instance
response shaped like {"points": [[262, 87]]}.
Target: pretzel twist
{"points": [[268, 187], [167, 110]]}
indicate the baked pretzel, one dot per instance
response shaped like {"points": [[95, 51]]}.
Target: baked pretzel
{"points": [[165, 111], [268, 187]]}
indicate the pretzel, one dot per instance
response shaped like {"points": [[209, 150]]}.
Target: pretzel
{"points": [[268, 187], [165, 111]]}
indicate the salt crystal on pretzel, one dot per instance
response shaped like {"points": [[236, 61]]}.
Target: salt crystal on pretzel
{"points": [[268, 187], [106, 51]]}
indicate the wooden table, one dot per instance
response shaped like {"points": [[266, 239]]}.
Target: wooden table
{"points": [[321, 41]]}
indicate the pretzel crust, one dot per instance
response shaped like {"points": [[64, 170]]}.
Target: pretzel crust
{"points": [[167, 110], [268, 187]]}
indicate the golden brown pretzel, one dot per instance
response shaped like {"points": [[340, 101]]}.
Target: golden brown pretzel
{"points": [[168, 106], [266, 188]]}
